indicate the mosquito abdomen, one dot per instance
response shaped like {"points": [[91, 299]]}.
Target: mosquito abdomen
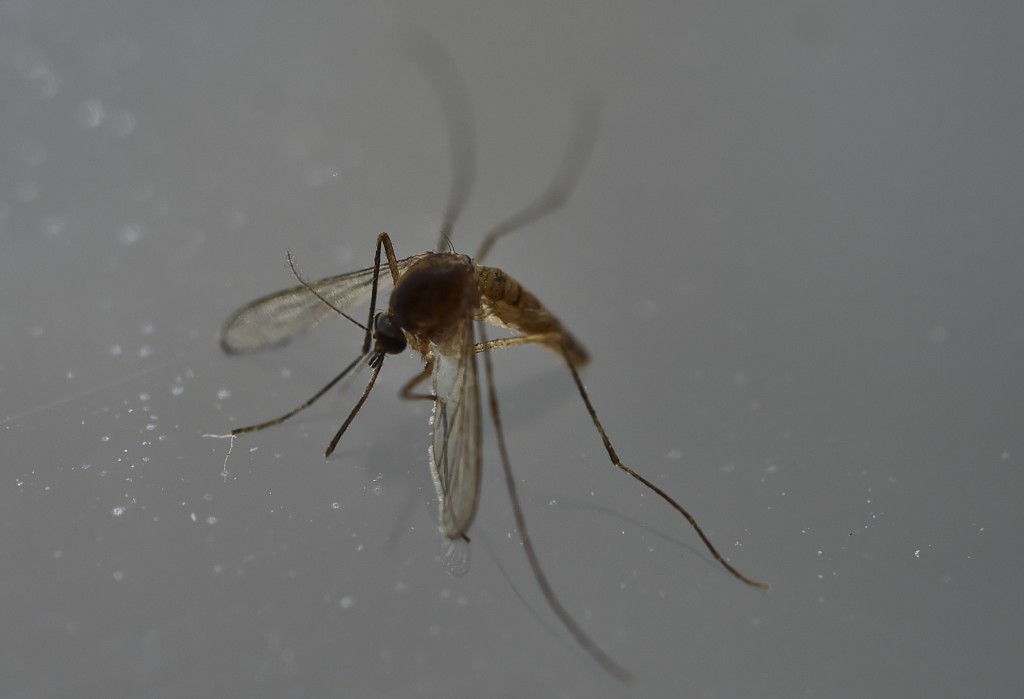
{"points": [[508, 304]]}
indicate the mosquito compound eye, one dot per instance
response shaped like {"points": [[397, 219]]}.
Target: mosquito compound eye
{"points": [[389, 335]]}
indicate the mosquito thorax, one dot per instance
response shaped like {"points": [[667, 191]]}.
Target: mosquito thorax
{"points": [[433, 295], [388, 334]]}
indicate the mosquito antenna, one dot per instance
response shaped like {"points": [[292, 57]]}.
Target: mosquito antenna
{"points": [[581, 637], [299, 409], [586, 124], [664, 496], [310, 289], [450, 86], [377, 361]]}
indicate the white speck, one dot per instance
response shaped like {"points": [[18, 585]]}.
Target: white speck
{"points": [[211, 520], [145, 351], [647, 309], [552, 503], [86, 467], [143, 397], [192, 516], [90, 114], [122, 123], [223, 394], [105, 438], [118, 575], [117, 511], [336, 505], [115, 350], [237, 220], [33, 154], [54, 226], [129, 235], [43, 80], [26, 190], [346, 602], [70, 374], [917, 554], [147, 329], [177, 390], [938, 334]]}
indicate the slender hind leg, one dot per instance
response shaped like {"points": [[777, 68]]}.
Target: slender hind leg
{"points": [[661, 493]]}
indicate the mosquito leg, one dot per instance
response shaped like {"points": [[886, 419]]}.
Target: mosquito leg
{"points": [[550, 339], [406, 392], [376, 362], [581, 144], [602, 658], [299, 409], [665, 496]]}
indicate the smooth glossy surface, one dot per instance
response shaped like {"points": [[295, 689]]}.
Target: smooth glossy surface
{"points": [[794, 259]]}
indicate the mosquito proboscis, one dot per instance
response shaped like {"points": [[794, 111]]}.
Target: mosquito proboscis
{"points": [[439, 307]]}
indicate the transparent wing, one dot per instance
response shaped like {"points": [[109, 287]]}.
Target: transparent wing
{"points": [[455, 447], [273, 320]]}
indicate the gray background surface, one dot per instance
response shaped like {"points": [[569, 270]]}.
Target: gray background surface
{"points": [[795, 257]]}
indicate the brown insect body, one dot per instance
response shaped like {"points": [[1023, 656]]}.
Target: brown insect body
{"points": [[443, 290], [431, 300], [507, 304]]}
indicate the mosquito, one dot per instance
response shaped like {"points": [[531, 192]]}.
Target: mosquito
{"points": [[440, 305]]}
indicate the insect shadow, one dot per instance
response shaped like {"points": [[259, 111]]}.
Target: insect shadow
{"points": [[440, 305]]}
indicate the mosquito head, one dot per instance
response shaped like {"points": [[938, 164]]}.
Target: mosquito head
{"points": [[390, 339]]}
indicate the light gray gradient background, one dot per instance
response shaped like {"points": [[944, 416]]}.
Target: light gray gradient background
{"points": [[795, 257]]}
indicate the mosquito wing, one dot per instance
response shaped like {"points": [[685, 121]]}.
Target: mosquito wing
{"points": [[273, 320], [455, 447]]}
